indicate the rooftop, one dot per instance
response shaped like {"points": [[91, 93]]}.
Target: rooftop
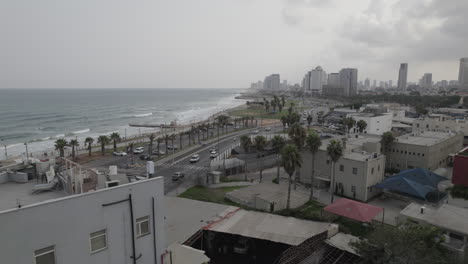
{"points": [[354, 146], [12, 194], [276, 228], [342, 241], [426, 138], [446, 216]]}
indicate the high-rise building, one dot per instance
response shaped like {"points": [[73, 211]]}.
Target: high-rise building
{"points": [[348, 81], [426, 80], [334, 79], [367, 84], [463, 73], [313, 81], [390, 83], [403, 76], [374, 85], [272, 82]]}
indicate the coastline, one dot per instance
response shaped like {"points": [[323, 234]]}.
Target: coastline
{"points": [[141, 133]]}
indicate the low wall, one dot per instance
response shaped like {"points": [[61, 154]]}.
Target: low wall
{"points": [[3, 177], [18, 177]]}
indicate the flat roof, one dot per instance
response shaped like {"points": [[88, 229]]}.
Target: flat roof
{"points": [[426, 138], [354, 146], [342, 241], [184, 217], [12, 193], [446, 216], [276, 228]]}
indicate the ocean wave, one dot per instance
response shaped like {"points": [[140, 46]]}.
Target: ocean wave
{"points": [[143, 115], [81, 131], [60, 136], [46, 138]]}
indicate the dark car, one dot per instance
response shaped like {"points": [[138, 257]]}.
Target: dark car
{"points": [[145, 157]]}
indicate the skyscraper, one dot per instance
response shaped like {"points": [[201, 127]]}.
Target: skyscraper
{"points": [[348, 81], [426, 80], [272, 82], [403, 76], [367, 83], [463, 73]]}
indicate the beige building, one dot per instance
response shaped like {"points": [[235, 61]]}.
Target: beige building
{"points": [[428, 150], [441, 122], [361, 167]]}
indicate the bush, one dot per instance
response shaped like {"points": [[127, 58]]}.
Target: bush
{"points": [[459, 191], [275, 180]]}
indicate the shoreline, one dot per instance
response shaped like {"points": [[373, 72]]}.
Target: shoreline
{"points": [[18, 158]]}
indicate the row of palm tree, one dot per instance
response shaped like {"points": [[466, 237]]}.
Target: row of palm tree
{"points": [[349, 122], [276, 102], [61, 144]]}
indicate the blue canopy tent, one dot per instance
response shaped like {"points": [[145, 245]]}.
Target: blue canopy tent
{"points": [[417, 183]]}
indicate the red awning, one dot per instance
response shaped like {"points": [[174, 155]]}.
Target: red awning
{"points": [[354, 210]]}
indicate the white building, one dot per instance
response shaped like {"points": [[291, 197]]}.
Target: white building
{"points": [[377, 124], [463, 73], [441, 123], [361, 167], [272, 82], [122, 224], [403, 76]]}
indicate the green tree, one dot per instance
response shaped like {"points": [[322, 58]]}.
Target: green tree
{"points": [[60, 145], [313, 142], [408, 243], [293, 118], [278, 142], [246, 142], [309, 120], [260, 143], [361, 124], [74, 143], [290, 160], [151, 138], [297, 134], [348, 123], [284, 121], [103, 140], [267, 106], [115, 137], [89, 141], [283, 101], [387, 140], [167, 137], [334, 151]]}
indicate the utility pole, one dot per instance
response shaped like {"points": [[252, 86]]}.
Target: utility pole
{"points": [[27, 153]]}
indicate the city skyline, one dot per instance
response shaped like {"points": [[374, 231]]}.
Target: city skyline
{"points": [[106, 45]]}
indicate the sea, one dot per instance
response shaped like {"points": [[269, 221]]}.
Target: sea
{"points": [[38, 117]]}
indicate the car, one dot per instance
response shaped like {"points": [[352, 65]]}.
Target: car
{"points": [[177, 175], [234, 139], [256, 132], [120, 153], [172, 147], [145, 157], [195, 158], [213, 155], [267, 128], [138, 151], [212, 149], [155, 152]]}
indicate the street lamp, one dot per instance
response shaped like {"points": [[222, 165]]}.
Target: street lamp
{"points": [[5, 146], [27, 154]]}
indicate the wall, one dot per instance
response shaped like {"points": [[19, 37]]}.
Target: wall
{"points": [[376, 125], [3, 177], [67, 223], [460, 170]]}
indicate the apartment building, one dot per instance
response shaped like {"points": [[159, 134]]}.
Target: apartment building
{"points": [[122, 224], [428, 150], [377, 124], [360, 168], [443, 123]]}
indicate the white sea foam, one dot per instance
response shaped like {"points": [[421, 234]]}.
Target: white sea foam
{"points": [[46, 138], [81, 131], [143, 115], [60, 136]]}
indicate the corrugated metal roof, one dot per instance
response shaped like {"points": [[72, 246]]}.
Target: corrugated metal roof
{"points": [[276, 228]]}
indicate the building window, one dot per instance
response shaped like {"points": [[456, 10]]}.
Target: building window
{"points": [[417, 125], [98, 241], [378, 168], [353, 188], [142, 226], [45, 255], [341, 167], [423, 154], [354, 171], [372, 171]]}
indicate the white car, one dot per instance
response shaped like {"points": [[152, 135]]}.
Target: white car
{"points": [[177, 175], [213, 155], [120, 153], [138, 150], [267, 128], [195, 158], [256, 132]]}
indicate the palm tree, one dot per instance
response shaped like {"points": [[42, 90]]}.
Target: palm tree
{"points": [[334, 151], [284, 121], [273, 105], [290, 160], [151, 138], [297, 134], [283, 101], [277, 142], [130, 147], [166, 141], [115, 137], [181, 134], [245, 143], [173, 137], [267, 106], [260, 143], [89, 141], [103, 140], [348, 123], [159, 141], [387, 140], [74, 143], [60, 145], [313, 142], [361, 124], [309, 120]]}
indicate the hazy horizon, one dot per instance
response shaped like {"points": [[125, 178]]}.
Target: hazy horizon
{"points": [[224, 43]]}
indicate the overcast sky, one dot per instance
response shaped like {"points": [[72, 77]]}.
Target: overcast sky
{"points": [[224, 43]]}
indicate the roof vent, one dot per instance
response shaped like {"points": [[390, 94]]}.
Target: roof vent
{"points": [[423, 209]]}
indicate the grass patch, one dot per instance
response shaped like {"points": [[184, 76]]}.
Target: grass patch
{"points": [[309, 211], [213, 195], [258, 113]]}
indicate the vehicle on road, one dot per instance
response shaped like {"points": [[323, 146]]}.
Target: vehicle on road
{"points": [[267, 128], [155, 152], [145, 157], [213, 155], [172, 147], [256, 132], [138, 150], [120, 153], [177, 175], [234, 138], [213, 149], [195, 158]]}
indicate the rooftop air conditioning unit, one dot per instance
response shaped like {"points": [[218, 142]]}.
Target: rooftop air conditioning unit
{"points": [[112, 183]]}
